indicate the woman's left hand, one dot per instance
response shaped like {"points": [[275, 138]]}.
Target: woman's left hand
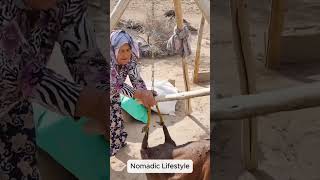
{"points": [[146, 97]]}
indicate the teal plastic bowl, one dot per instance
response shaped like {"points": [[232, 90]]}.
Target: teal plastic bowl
{"points": [[85, 156], [136, 110]]}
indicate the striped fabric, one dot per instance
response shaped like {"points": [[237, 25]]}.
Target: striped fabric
{"points": [[61, 95]]}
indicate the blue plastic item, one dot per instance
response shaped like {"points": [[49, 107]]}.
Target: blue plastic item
{"points": [[85, 156], [136, 110]]}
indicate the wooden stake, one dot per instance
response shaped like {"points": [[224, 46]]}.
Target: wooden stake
{"points": [[179, 20], [117, 13], [274, 34], [197, 58], [246, 69]]}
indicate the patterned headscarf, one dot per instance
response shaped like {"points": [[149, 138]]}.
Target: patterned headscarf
{"points": [[119, 38]]}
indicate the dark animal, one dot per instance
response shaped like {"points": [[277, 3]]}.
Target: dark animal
{"points": [[197, 151]]}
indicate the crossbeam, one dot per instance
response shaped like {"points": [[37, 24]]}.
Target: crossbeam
{"points": [[288, 99], [184, 95]]}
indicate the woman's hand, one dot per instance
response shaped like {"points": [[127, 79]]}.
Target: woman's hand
{"points": [[94, 105], [146, 97]]}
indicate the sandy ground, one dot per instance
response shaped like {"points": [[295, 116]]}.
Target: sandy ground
{"points": [[182, 128], [288, 141]]}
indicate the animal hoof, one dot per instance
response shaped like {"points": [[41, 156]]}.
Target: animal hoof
{"points": [[160, 123], [145, 129]]}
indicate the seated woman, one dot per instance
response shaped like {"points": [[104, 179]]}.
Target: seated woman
{"points": [[124, 53]]}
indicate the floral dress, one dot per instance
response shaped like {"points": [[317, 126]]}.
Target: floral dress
{"points": [[118, 75], [25, 48]]}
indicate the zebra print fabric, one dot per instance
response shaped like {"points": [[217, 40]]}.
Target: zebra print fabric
{"points": [[55, 91]]}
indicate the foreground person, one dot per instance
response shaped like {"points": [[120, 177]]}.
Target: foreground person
{"points": [[29, 30]]}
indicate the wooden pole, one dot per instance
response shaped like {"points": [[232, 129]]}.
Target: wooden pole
{"points": [[117, 13], [288, 99], [204, 6], [184, 95], [274, 34], [197, 58], [179, 20], [240, 28]]}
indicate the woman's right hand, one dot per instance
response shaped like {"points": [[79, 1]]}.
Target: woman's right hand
{"points": [[146, 97], [94, 104]]}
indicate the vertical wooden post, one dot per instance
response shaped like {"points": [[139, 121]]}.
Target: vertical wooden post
{"points": [[246, 67], [197, 58], [274, 34], [117, 13], [179, 20]]}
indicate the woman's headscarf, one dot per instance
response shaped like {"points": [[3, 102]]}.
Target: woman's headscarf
{"points": [[119, 38]]}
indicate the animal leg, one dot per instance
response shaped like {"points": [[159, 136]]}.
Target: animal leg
{"points": [[167, 136]]}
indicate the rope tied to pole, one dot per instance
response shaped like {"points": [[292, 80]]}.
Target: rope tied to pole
{"points": [[179, 42]]}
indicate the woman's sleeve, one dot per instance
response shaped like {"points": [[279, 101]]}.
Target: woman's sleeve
{"points": [[78, 44], [123, 88], [127, 90], [135, 78], [117, 87], [82, 56], [51, 90]]}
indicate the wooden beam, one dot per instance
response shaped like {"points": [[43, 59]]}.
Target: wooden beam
{"points": [[197, 58], [117, 12], [179, 20], [274, 34], [288, 99], [184, 95], [246, 68], [204, 6]]}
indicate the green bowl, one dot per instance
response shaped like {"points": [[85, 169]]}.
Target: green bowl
{"points": [[85, 156]]}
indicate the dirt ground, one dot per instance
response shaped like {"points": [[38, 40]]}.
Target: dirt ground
{"points": [[182, 128], [288, 141]]}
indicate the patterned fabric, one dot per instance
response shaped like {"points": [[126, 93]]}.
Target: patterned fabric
{"points": [[179, 42], [27, 38], [118, 134]]}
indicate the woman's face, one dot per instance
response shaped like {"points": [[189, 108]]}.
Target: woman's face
{"points": [[124, 54], [41, 4]]}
